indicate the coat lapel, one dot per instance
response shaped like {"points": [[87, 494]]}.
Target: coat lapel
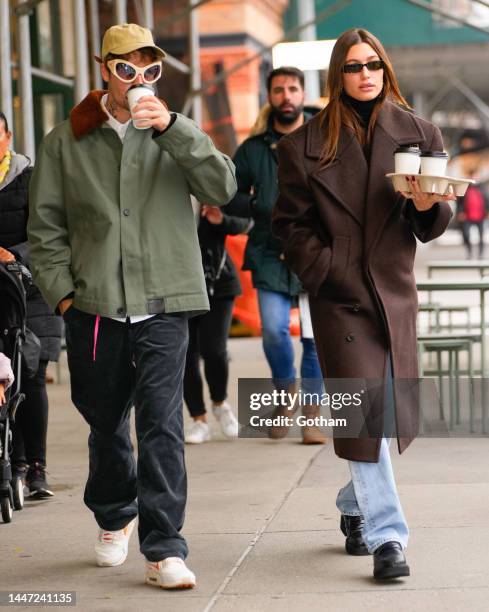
{"points": [[346, 178], [394, 127]]}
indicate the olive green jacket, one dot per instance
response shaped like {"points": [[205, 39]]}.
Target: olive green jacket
{"points": [[112, 221]]}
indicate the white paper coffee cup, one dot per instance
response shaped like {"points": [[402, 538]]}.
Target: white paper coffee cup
{"points": [[133, 95], [434, 163], [407, 160]]}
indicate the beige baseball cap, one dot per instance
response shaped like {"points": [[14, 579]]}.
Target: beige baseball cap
{"points": [[121, 39]]}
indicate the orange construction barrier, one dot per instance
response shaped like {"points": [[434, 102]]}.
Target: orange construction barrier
{"points": [[246, 305]]}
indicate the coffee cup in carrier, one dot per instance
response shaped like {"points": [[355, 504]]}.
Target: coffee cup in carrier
{"points": [[133, 95], [434, 163], [407, 160]]}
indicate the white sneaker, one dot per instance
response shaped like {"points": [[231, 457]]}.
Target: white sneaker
{"points": [[111, 546], [171, 573], [199, 432], [227, 420]]}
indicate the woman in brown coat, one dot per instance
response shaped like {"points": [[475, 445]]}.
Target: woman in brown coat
{"points": [[351, 240]]}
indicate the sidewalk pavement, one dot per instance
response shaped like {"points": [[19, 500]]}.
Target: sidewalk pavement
{"points": [[262, 526]]}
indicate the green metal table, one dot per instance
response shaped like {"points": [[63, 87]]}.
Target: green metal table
{"points": [[454, 265], [481, 286]]}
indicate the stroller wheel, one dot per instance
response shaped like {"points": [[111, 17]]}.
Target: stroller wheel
{"points": [[18, 493], [7, 510]]}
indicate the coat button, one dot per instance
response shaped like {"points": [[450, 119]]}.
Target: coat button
{"points": [[121, 311], [350, 338], [126, 212]]}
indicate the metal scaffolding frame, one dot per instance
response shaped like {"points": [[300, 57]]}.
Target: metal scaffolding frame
{"points": [[23, 8], [95, 37], [427, 6], [120, 11], [306, 12], [82, 81], [25, 87], [5, 62], [289, 35]]}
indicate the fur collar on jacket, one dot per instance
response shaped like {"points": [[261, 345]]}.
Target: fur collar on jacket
{"points": [[88, 115]]}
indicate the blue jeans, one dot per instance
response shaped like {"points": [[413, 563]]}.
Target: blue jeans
{"points": [[372, 490], [372, 493], [277, 344]]}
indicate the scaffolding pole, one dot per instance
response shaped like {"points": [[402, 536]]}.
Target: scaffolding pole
{"points": [[165, 23], [120, 11], [306, 13], [195, 76], [52, 77], [26, 8], [477, 102], [82, 85], [482, 2], [25, 87], [5, 71], [93, 9], [148, 14]]}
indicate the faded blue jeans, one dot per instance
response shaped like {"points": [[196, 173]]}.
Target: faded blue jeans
{"points": [[372, 490], [372, 493], [277, 344]]}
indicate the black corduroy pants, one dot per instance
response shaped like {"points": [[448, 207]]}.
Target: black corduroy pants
{"points": [[114, 366]]}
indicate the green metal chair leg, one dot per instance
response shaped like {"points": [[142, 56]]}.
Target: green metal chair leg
{"points": [[439, 363], [471, 387], [457, 386], [451, 389]]}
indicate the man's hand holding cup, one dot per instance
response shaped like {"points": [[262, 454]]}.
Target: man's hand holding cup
{"points": [[147, 110]]}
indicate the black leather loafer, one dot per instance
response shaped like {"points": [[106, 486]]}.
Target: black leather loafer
{"points": [[351, 526], [390, 562]]}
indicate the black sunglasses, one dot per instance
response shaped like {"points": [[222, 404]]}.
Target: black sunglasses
{"points": [[371, 66]]}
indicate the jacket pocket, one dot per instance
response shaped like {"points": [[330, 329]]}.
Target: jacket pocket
{"points": [[339, 260]]}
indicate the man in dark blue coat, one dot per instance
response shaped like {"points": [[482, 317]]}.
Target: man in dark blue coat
{"points": [[277, 287]]}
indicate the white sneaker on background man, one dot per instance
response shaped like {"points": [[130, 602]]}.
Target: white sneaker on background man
{"points": [[198, 433], [228, 422]]}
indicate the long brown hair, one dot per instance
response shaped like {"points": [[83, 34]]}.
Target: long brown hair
{"points": [[337, 112]]}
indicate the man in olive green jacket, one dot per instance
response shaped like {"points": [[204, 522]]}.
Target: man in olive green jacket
{"points": [[114, 248]]}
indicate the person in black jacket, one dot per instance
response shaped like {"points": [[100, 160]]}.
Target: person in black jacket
{"points": [[30, 428], [208, 333]]}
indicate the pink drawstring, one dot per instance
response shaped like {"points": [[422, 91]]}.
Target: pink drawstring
{"points": [[95, 336]]}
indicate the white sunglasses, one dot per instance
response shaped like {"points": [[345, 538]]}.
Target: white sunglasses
{"points": [[127, 72]]}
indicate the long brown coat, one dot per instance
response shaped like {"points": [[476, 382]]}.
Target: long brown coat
{"points": [[351, 240]]}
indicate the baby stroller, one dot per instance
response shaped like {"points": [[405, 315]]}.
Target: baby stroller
{"points": [[15, 341]]}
